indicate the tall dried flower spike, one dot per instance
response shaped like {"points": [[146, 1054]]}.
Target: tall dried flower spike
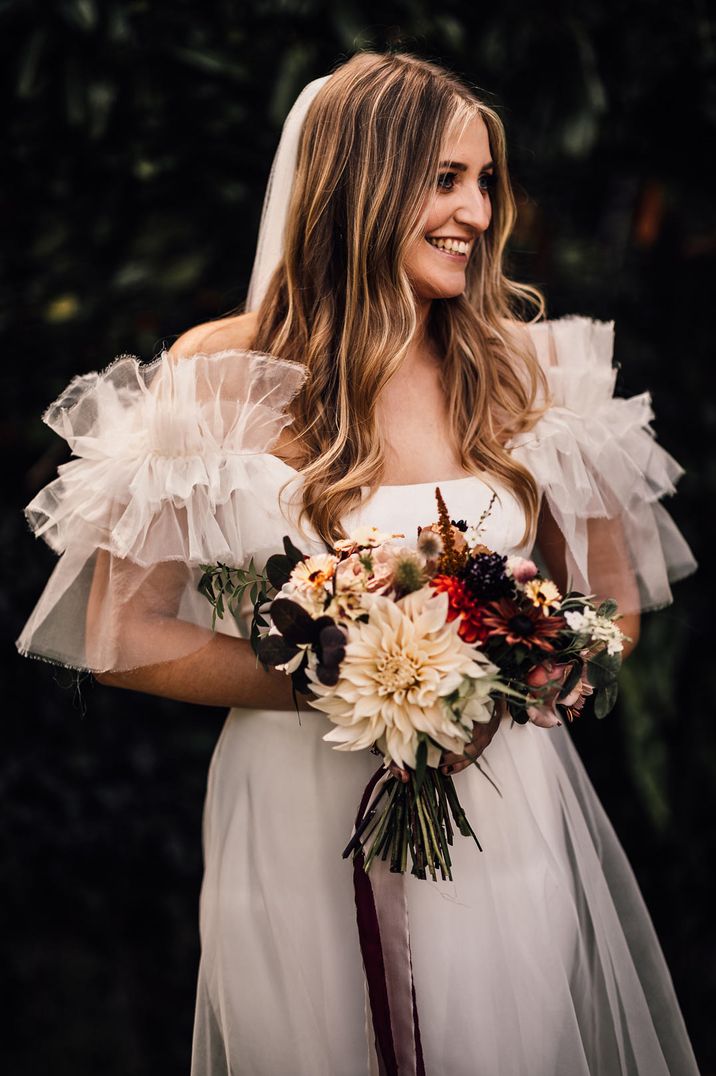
{"points": [[450, 560]]}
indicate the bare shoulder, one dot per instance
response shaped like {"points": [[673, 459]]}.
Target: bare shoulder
{"points": [[211, 336]]}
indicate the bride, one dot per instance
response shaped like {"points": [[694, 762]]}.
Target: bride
{"points": [[381, 353]]}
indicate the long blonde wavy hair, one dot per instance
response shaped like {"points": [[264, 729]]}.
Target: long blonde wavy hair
{"points": [[340, 300]]}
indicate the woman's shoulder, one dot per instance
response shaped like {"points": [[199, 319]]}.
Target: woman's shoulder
{"points": [[223, 334], [227, 334]]}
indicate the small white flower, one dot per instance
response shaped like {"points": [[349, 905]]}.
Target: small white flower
{"points": [[579, 621], [598, 628]]}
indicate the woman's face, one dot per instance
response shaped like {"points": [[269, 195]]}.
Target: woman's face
{"points": [[455, 216]]}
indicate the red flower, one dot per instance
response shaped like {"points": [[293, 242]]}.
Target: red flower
{"points": [[460, 603], [522, 624]]}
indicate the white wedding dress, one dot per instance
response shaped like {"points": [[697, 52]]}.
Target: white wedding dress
{"points": [[540, 959]]}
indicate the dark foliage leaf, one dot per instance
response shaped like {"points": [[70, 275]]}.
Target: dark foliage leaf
{"points": [[292, 552], [519, 714], [294, 623], [278, 569], [274, 650]]}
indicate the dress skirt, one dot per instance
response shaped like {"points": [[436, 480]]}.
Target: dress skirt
{"points": [[539, 959]]}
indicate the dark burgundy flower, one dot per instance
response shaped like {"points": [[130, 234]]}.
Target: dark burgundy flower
{"points": [[522, 624]]}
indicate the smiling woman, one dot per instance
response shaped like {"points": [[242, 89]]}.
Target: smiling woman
{"points": [[382, 354]]}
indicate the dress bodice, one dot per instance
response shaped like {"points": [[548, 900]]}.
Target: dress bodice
{"points": [[404, 508]]}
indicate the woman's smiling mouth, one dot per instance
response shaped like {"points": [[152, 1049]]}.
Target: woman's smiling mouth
{"points": [[457, 249]]}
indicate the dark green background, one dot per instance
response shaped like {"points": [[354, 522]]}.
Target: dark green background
{"points": [[137, 140]]}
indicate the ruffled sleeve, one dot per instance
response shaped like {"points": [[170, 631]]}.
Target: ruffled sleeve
{"points": [[167, 476], [601, 471]]}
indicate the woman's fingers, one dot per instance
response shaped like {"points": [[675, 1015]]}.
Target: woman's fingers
{"points": [[482, 735], [450, 762]]}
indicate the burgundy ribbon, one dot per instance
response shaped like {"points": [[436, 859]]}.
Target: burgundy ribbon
{"points": [[382, 915]]}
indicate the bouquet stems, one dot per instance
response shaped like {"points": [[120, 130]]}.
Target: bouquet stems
{"points": [[416, 817]]}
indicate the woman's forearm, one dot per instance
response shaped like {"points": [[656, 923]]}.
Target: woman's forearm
{"points": [[224, 672]]}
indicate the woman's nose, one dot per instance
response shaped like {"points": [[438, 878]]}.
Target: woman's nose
{"points": [[475, 210]]}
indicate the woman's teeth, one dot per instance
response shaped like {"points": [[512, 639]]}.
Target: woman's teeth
{"points": [[452, 246]]}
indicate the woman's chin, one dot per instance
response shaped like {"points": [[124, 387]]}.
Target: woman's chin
{"points": [[444, 290]]}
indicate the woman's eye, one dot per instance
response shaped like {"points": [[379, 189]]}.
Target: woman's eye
{"points": [[446, 181], [446, 176]]}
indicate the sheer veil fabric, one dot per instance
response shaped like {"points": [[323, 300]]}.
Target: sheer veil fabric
{"points": [[541, 958]]}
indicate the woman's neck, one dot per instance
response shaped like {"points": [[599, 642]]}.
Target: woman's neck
{"points": [[421, 351]]}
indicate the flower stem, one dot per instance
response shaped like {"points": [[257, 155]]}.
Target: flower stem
{"points": [[458, 812]]}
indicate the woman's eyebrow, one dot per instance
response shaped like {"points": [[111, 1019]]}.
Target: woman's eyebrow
{"points": [[460, 167]]}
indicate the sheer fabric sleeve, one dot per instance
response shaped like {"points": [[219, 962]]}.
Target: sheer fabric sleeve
{"points": [[601, 472], [167, 476]]}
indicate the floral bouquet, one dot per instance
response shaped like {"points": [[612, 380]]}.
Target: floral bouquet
{"points": [[405, 649]]}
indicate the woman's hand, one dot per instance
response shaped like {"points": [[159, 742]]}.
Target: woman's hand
{"points": [[481, 737]]}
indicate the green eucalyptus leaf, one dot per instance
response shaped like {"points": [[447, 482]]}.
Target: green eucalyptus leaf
{"points": [[602, 669], [605, 699]]}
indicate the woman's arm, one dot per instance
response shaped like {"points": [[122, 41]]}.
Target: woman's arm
{"points": [[132, 621], [215, 669], [609, 566], [223, 672]]}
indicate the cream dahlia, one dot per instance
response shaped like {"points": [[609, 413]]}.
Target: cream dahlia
{"points": [[400, 676]]}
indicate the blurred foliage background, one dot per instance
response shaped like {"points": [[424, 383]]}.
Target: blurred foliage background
{"points": [[137, 141]]}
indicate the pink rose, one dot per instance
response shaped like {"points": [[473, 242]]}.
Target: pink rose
{"points": [[381, 574]]}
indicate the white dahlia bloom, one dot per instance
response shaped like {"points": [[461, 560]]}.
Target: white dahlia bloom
{"points": [[399, 668]]}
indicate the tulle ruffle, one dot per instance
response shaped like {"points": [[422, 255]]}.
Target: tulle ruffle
{"points": [[602, 472], [170, 473], [163, 469]]}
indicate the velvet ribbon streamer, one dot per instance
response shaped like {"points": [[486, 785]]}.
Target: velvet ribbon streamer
{"points": [[383, 928]]}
